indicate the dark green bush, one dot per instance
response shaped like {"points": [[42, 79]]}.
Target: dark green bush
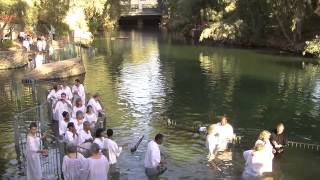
{"points": [[6, 44]]}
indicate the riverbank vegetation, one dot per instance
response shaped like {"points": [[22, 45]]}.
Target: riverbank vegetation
{"points": [[42, 16], [289, 25]]}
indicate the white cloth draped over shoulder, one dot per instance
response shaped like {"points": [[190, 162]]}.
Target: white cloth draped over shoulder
{"points": [[83, 137], [74, 168], [78, 124], [98, 168], [212, 143], [59, 108], [268, 155], [34, 171], [96, 106], [254, 163], [225, 135], [113, 150], [152, 157], [79, 90]]}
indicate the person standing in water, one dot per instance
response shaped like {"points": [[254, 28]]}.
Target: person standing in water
{"points": [[225, 132], [33, 152], [212, 142], [278, 139], [152, 160]]}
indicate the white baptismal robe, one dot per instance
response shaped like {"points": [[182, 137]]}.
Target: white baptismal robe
{"points": [[98, 168], [63, 127], [268, 155], [100, 142], [79, 90], [60, 108], [212, 142], [96, 107], [75, 109], [91, 118], [70, 138], [33, 158], [113, 150], [74, 169], [225, 132], [54, 95], [68, 92], [78, 124], [152, 157], [255, 161]]}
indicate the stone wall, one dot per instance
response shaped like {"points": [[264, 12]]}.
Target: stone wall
{"points": [[13, 59]]}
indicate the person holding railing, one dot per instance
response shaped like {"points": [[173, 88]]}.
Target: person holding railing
{"points": [[33, 152], [74, 165]]}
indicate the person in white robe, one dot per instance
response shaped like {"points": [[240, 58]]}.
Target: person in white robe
{"points": [[61, 105], [39, 59], [63, 125], [66, 89], [114, 152], [100, 140], [44, 43], [74, 165], [254, 162], [212, 141], [95, 103], [98, 164], [152, 159], [78, 91], [33, 152], [26, 44], [86, 138], [90, 116], [54, 94], [225, 132], [263, 139], [78, 121], [78, 107], [39, 45], [71, 136]]}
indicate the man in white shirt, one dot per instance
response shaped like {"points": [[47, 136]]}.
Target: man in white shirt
{"points": [[225, 131], [94, 102], [78, 90], [60, 106], [152, 160], [113, 153]]}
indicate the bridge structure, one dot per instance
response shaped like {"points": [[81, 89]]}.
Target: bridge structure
{"points": [[140, 13]]}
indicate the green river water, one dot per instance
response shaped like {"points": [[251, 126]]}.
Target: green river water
{"points": [[151, 77]]}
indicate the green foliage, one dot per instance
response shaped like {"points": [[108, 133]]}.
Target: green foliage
{"points": [[6, 44], [313, 47]]}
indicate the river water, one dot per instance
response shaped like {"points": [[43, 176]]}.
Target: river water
{"points": [[150, 77]]}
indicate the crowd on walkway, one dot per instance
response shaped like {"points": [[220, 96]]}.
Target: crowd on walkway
{"points": [[95, 157], [41, 45]]}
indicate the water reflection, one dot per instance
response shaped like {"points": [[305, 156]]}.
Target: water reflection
{"points": [[145, 80]]}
